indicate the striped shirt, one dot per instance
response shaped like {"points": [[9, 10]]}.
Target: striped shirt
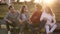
{"points": [[12, 16]]}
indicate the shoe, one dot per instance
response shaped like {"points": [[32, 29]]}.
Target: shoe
{"points": [[9, 32], [20, 33], [50, 33]]}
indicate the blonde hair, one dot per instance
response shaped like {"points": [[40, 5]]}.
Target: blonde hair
{"points": [[49, 10], [38, 6]]}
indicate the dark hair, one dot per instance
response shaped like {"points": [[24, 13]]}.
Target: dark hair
{"points": [[22, 9], [10, 7]]}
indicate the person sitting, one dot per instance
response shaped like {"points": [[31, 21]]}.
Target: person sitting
{"points": [[11, 18], [49, 17]]}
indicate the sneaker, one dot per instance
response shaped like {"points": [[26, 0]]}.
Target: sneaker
{"points": [[50, 32], [20, 33], [9, 32]]}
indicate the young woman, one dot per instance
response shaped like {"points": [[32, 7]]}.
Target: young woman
{"points": [[49, 17], [23, 19]]}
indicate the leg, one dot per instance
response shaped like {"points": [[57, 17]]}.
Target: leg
{"points": [[53, 28], [47, 29], [32, 29], [21, 28], [8, 28]]}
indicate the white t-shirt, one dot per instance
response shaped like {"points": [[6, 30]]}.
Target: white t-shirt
{"points": [[49, 18], [24, 18]]}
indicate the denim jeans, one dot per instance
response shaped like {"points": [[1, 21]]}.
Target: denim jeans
{"points": [[34, 28], [10, 24]]}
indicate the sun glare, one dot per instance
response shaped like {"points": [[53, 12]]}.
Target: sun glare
{"points": [[28, 0], [48, 1], [37, 1], [44, 1], [21, 0], [24, 0]]}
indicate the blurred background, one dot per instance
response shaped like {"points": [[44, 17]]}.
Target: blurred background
{"points": [[53, 4]]}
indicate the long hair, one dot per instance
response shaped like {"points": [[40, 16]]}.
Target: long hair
{"points": [[51, 13], [22, 9], [49, 10]]}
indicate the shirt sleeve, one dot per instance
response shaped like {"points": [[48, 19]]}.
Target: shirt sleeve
{"points": [[28, 15], [7, 16], [19, 17], [42, 16]]}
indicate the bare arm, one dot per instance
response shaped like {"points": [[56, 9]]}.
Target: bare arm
{"points": [[54, 20], [6, 18]]}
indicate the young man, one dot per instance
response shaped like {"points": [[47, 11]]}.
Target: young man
{"points": [[35, 18], [11, 18]]}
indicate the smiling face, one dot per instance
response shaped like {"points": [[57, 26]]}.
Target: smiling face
{"points": [[48, 10], [38, 7], [11, 9], [25, 8]]}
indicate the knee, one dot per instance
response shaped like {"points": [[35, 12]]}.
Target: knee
{"points": [[55, 26]]}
